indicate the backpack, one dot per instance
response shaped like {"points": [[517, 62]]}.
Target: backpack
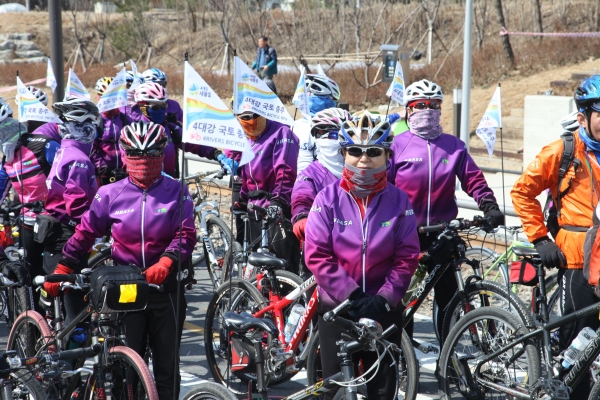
{"points": [[591, 255], [552, 207]]}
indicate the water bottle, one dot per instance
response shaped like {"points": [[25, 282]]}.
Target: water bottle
{"points": [[248, 271], [415, 281], [292, 321], [577, 346]]}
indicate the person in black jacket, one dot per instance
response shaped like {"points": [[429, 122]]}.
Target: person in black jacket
{"points": [[265, 63]]}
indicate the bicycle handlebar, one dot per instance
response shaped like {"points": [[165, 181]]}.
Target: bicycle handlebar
{"points": [[36, 206], [84, 352], [57, 278], [455, 225], [220, 173]]}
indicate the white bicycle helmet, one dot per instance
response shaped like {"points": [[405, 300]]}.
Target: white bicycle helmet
{"points": [[377, 131], [38, 93], [151, 92], [322, 85], [569, 122], [423, 90], [5, 110], [77, 110], [330, 119], [155, 75]]}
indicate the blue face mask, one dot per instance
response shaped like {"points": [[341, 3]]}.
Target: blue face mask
{"points": [[157, 116], [319, 103]]}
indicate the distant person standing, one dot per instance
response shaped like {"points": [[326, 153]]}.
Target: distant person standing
{"points": [[265, 63]]}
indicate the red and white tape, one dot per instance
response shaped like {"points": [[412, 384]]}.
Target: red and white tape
{"points": [[11, 88], [504, 32]]}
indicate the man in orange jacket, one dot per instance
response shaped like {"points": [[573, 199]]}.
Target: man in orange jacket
{"points": [[575, 207]]}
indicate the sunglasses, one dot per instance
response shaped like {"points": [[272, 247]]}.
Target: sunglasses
{"points": [[322, 134], [139, 153], [422, 105], [157, 106], [248, 117], [372, 152]]}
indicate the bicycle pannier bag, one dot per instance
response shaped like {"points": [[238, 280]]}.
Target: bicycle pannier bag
{"points": [[523, 273], [46, 229], [118, 288]]}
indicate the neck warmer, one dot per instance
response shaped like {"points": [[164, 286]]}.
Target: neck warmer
{"points": [[110, 114], [84, 132], [143, 170], [319, 103], [156, 116], [254, 127], [10, 132], [425, 123], [363, 182], [590, 143], [328, 154]]}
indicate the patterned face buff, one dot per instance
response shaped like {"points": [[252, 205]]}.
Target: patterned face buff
{"points": [[425, 123], [10, 130], [253, 127], [84, 132], [144, 170], [363, 182]]}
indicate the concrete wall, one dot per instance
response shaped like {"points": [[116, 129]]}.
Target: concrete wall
{"points": [[542, 122]]}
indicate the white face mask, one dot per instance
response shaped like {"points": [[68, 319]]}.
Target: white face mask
{"points": [[328, 154], [84, 132]]}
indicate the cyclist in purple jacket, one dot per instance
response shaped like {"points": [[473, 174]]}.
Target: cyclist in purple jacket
{"points": [[71, 188], [425, 166], [362, 245], [143, 212], [174, 113]]}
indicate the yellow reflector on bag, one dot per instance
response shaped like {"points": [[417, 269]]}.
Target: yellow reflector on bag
{"points": [[128, 293]]}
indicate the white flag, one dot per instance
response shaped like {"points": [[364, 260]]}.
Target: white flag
{"points": [[320, 70], [50, 78], [300, 99], [396, 90], [115, 95], [250, 93], [30, 108], [137, 78], [492, 119], [75, 89], [208, 121]]}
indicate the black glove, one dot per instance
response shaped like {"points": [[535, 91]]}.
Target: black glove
{"points": [[551, 255], [493, 213], [357, 294], [373, 307]]}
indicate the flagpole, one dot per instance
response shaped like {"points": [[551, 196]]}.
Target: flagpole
{"points": [[22, 222], [503, 188]]}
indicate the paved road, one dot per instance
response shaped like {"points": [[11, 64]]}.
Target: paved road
{"points": [[193, 360]]}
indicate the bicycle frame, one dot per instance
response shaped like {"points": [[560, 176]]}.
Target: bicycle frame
{"points": [[509, 254], [279, 304]]}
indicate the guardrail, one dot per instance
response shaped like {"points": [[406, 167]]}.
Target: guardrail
{"points": [[471, 205]]}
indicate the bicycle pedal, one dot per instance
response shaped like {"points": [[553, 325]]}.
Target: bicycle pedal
{"points": [[551, 389]]}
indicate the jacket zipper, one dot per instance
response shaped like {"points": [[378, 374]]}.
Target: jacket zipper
{"points": [[143, 241], [429, 191], [363, 231], [250, 170], [116, 140]]}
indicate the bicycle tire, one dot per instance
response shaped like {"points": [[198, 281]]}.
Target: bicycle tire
{"points": [[209, 391], [243, 296], [447, 374], [224, 239], [595, 392], [20, 299], [232, 264], [101, 257], [121, 355], [409, 375], [23, 379], [486, 258], [493, 291], [37, 334]]}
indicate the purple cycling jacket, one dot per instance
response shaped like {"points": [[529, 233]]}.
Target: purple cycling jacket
{"points": [[427, 172], [144, 224], [273, 169], [106, 154], [378, 254], [309, 183], [50, 130], [71, 183], [173, 107]]}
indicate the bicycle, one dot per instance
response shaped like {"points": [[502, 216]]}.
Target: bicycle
{"points": [[365, 335], [117, 369], [489, 352], [472, 293]]}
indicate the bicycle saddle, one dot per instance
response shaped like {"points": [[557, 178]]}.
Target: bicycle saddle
{"points": [[266, 260], [525, 251], [244, 321]]}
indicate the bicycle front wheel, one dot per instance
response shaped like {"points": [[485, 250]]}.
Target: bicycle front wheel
{"points": [[487, 257], [29, 335], [103, 257], [22, 385], [476, 336], [131, 377], [209, 391]]}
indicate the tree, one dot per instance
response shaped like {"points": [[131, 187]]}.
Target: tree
{"points": [[504, 38], [537, 9]]}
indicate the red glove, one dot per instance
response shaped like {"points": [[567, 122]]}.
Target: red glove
{"points": [[299, 227], [157, 273], [52, 288]]}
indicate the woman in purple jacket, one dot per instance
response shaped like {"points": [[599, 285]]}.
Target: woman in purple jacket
{"points": [[71, 189], [144, 213], [361, 244], [425, 165]]}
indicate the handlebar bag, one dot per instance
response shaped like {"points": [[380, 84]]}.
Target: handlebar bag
{"points": [[523, 273], [118, 288], [46, 229]]}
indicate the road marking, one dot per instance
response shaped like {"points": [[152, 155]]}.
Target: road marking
{"points": [[194, 328]]}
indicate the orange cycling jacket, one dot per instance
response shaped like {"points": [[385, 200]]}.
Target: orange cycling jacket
{"points": [[577, 205]]}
